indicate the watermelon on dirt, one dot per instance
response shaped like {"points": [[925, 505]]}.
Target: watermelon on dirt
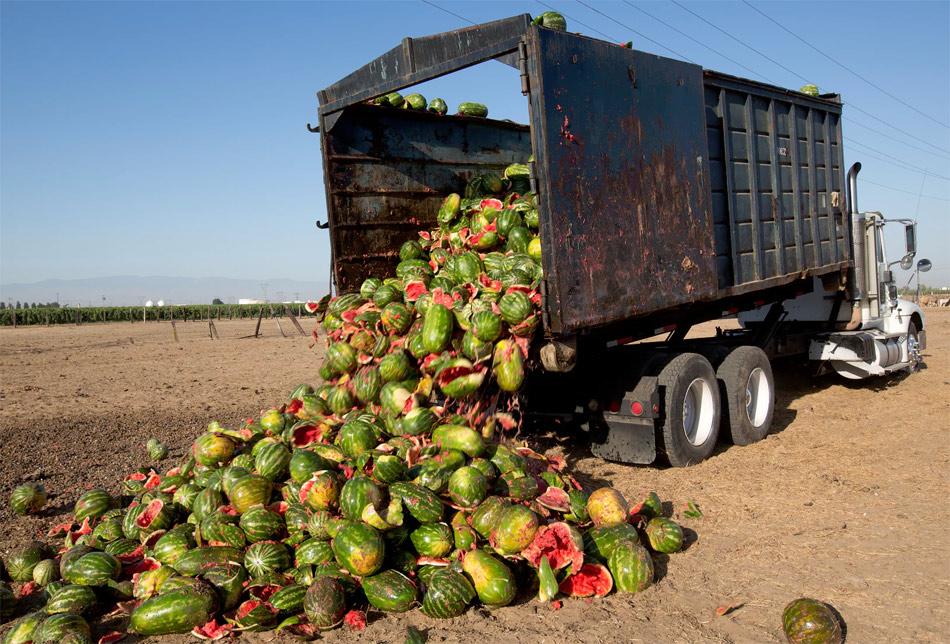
{"points": [[592, 580], [359, 548], [325, 603], [809, 621], [664, 535], [631, 567], [492, 579], [448, 594], [606, 507], [599, 543], [514, 530], [561, 544], [177, 611], [27, 498], [390, 591], [62, 627]]}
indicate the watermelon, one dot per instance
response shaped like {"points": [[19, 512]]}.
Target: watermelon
{"points": [[27, 498], [325, 603], [449, 209], [433, 539], [92, 504], [73, 599], [313, 551], [437, 328], [62, 627], [631, 567], [366, 385], [809, 621], [518, 486], [206, 502], [551, 20], [93, 569], [592, 580], [22, 630], [468, 487], [438, 106], [514, 530], [250, 491], [559, 544], [388, 468], [173, 544], [599, 543], [228, 580], [418, 421], [272, 461], [356, 494], [515, 307], [422, 504], [193, 561], [177, 611], [359, 548], [459, 437], [384, 295], [493, 580], [390, 591], [664, 535], [396, 318], [45, 572], [212, 449], [303, 463], [486, 515], [340, 400], [473, 109], [448, 594], [261, 524], [395, 367], [369, 286], [355, 438], [289, 599], [341, 357], [507, 365], [486, 326], [266, 557], [606, 506]]}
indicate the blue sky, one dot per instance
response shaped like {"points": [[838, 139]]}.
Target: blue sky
{"points": [[169, 139]]}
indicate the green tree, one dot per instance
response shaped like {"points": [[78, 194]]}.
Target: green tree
{"points": [[18, 303], [217, 301]]}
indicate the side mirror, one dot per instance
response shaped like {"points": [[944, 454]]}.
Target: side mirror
{"points": [[907, 261], [924, 265], [910, 237]]}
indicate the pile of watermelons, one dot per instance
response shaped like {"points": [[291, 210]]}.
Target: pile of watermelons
{"points": [[388, 487]]}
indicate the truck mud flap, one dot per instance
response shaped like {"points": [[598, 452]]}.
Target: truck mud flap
{"points": [[625, 440]]}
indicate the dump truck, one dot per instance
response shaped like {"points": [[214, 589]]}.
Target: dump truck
{"points": [[669, 195]]}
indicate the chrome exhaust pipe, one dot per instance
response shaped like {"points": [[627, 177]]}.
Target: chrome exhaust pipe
{"points": [[857, 247]]}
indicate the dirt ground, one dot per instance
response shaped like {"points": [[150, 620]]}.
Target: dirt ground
{"points": [[846, 501]]}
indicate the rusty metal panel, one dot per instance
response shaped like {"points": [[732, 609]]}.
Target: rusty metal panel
{"points": [[620, 150], [387, 171]]}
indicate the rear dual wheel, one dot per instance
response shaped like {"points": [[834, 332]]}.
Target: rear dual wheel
{"points": [[748, 394], [691, 405]]}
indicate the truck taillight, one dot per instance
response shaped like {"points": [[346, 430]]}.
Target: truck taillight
{"points": [[614, 406], [636, 408]]}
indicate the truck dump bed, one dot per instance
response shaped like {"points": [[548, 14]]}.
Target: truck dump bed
{"points": [[661, 186]]}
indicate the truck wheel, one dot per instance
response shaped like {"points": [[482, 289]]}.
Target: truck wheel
{"points": [[748, 391], [691, 406]]}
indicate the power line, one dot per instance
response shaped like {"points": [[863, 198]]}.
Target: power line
{"points": [[894, 138], [797, 75], [910, 192], [911, 166], [448, 11], [698, 42], [842, 65], [741, 42], [642, 35]]}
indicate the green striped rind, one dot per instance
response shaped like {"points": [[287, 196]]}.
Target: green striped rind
{"points": [[71, 599], [342, 303], [366, 385], [178, 611], [809, 621], [121, 546], [631, 567], [359, 548], [23, 629], [514, 307], [210, 449], [289, 599], [303, 463], [422, 503], [448, 594], [222, 529], [486, 515], [261, 524], [207, 501], [459, 437], [665, 535], [46, 572], [272, 461], [493, 580], [65, 562], [389, 468], [356, 494], [92, 504], [468, 487], [192, 562], [515, 530], [228, 581], [437, 328], [599, 543], [93, 569], [265, 558], [390, 591], [432, 539], [186, 494], [314, 551], [108, 529], [355, 438], [173, 544], [325, 603], [418, 421], [250, 491], [60, 628], [340, 400], [27, 498], [395, 367]]}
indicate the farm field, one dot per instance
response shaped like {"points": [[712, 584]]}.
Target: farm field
{"points": [[845, 501]]}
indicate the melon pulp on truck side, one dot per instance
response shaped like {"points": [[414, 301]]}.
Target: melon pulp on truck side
{"points": [[668, 195]]}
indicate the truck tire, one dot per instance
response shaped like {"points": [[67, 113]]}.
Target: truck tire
{"points": [[690, 422], [748, 394]]}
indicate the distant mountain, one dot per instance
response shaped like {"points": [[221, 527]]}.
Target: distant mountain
{"points": [[130, 290]]}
